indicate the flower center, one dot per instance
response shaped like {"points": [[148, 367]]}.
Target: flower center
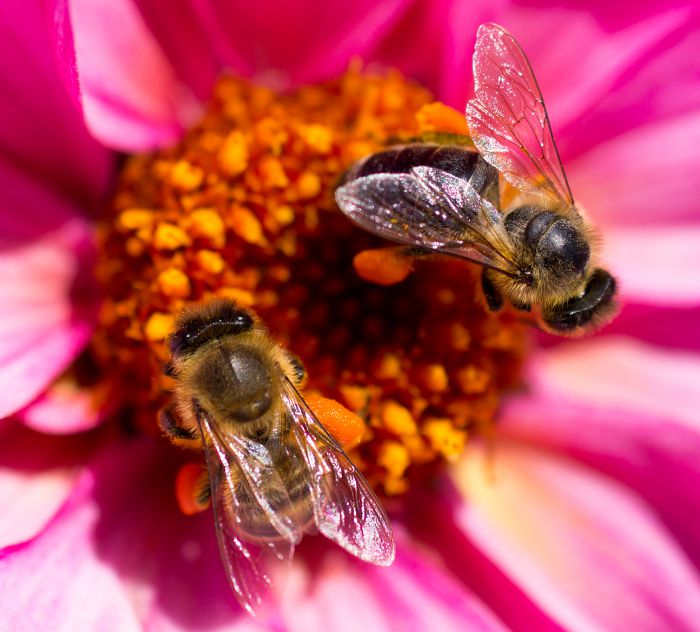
{"points": [[243, 207]]}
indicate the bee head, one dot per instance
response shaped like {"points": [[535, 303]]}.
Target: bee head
{"points": [[594, 307], [559, 247], [200, 325]]}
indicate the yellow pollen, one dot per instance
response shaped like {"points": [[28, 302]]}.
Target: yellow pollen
{"points": [[210, 261], [174, 282], [134, 218], [437, 117], [308, 185], [434, 378], [185, 176], [397, 418], [158, 326], [208, 224], [247, 225], [402, 358], [445, 438], [170, 237], [233, 155]]}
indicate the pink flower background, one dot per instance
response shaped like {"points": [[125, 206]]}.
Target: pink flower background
{"points": [[585, 515]]}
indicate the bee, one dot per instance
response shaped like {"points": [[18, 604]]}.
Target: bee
{"points": [[274, 472], [503, 202]]}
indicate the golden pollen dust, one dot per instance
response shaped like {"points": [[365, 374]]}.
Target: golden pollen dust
{"points": [[243, 208]]}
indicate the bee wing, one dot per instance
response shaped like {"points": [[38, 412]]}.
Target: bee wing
{"points": [[431, 209], [241, 507], [508, 120], [345, 508]]}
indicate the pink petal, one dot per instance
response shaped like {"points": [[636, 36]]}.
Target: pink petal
{"points": [[285, 50], [47, 305], [614, 372], [131, 97], [656, 266], [37, 473], [664, 326], [413, 594], [658, 458], [582, 546], [68, 407], [625, 182], [661, 83], [59, 576], [40, 129]]}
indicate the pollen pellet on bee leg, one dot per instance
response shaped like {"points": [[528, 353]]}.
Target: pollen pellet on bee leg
{"points": [[383, 266], [191, 489], [345, 426]]}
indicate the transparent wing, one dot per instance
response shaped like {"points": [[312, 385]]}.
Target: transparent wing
{"points": [[256, 540], [507, 119], [431, 209], [345, 508]]}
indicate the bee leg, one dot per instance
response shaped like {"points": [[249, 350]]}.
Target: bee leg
{"points": [[383, 266], [192, 489], [523, 307], [298, 370], [494, 299], [170, 425]]}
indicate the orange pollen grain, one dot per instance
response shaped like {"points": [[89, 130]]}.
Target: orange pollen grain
{"points": [[402, 358]]}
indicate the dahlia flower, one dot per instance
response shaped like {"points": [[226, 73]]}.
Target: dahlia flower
{"points": [[557, 484]]}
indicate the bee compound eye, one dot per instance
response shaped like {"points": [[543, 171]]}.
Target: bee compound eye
{"points": [[560, 246]]}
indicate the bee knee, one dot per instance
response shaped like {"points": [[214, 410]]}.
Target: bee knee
{"points": [[171, 426]]}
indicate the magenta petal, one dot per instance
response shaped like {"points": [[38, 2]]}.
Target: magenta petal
{"points": [[584, 547], [662, 83], [279, 42], [37, 473], [656, 266], [413, 594], [619, 181], [658, 458], [132, 100], [47, 305], [40, 129], [617, 373]]}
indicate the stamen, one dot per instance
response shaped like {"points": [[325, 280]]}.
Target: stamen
{"points": [[407, 359]]}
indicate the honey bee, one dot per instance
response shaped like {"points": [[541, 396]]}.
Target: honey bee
{"points": [[504, 202], [274, 472]]}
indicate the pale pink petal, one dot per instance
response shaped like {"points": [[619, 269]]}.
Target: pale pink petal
{"points": [[67, 406], [413, 594], [658, 458], [131, 97], [47, 305], [41, 131], [656, 266], [644, 176], [587, 550], [59, 576], [614, 372], [37, 473]]}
